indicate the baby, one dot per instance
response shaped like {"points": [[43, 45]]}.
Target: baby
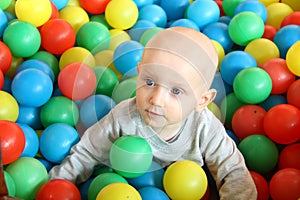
{"points": [[170, 112]]}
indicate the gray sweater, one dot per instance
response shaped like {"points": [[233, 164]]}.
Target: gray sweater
{"points": [[202, 139]]}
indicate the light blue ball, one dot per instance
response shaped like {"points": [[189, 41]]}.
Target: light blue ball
{"points": [[139, 28], [150, 193], [31, 141], [3, 22], [31, 116], [252, 6], [153, 13], [185, 23], [174, 9], [60, 4]]}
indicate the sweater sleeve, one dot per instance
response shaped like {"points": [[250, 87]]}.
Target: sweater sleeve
{"points": [[227, 165]]}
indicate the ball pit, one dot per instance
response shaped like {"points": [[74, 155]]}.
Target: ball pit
{"points": [[55, 33]]}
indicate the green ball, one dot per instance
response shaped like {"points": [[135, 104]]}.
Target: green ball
{"points": [[130, 156], [29, 174], [252, 85], [59, 109], [102, 180], [10, 184], [229, 6], [260, 153], [148, 34], [125, 89], [106, 80], [245, 27], [22, 38]]}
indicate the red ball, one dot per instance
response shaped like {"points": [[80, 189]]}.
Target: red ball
{"points": [[77, 81], [269, 32], [248, 120], [280, 75], [285, 184], [289, 157], [282, 124], [262, 186], [293, 94], [94, 6], [58, 189], [5, 57], [55, 12], [12, 140], [293, 18], [1, 79], [57, 36]]}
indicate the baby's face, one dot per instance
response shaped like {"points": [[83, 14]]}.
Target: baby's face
{"points": [[168, 90]]}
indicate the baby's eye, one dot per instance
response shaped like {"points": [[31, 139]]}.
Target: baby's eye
{"points": [[176, 91], [150, 82]]}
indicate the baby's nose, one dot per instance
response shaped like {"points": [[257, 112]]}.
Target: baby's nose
{"points": [[158, 97]]}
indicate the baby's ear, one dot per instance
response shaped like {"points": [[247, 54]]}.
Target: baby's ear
{"points": [[206, 98]]}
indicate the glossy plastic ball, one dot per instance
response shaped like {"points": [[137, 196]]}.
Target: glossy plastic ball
{"points": [[94, 7], [9, 108], [118, 191], [252, 6], [139, 28], [149, 193], [262, 186], [288, 157], [273, 100], [74, 15], [292, 18], [229, 6], [106, 80], [31, 141], [153, 13], [60, 4], [124, 90], [174, 9], [277, 11], [292, 95], [5, 57], [291, 58]]}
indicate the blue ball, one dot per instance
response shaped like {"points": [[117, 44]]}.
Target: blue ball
{"points": [[150, 193], [126, 57], [174, 9], [94, 108], [153, 13], [32, 87], [218, 31], [31, 116], [273, 100], [3, 22], [7, 84], [60, 4], [203, 12], [57, 140], [233, 62], [84, 188], [36, 64], [252, 6], [142, 3], [48, 165], [139, 28], [218, 84], [185, 23], [233, 137], [31, 141], [225, 19]]}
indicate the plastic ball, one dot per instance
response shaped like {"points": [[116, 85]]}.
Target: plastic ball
{"points": [[102, 180], [262, 50], [252, 85], [75, 15], [48, 165], [101, 19], [32, 87], [3, 22], [59, 109], [36, 12], [174, 9], [185, 179], [252, 6], [22, 38], [260, 153], [203, 12], [293, 96], [262, 186], [126, 57], [55, 12], [94, 108], [5, 4], [185, 23], [285, 184], [94, 6], [289, 157], [276, 13], [10, 184], [117, 37], [233, 137], [280, 75], [248, 120], [5, 57], [269, 32], [121, 191], [9, 108], [130, 156], [58, 189], [76, 54], [105, 58], [57, 36], [1, 80], [285, 38], [31, 141], [153, 13], [229, 6], [56, 141], [220, 50], [121, 14], [218, 31], [77, 81], [124, 90], [148, 34], [152, 178], [214, 108], [12, 141], [245, 27], [93, 36], [106, 80], [139, 28], [149, 193], [234, 62], [282, 124], [29, 174], [293, 18], [60, 4], [291, 58], [273, 100], [293, 4]]}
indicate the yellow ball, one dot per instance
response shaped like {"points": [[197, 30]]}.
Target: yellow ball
{"points": [[105, 58], [121, 14], [36, 12], [73, 3], [75, 15], [118, 191], [220, 51], [117, 36], [185, 180], [292, 58], [262, 50], [294, 4], [214, 108], [268, 2], [9, 108], [276, 13], [76, 54]]}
